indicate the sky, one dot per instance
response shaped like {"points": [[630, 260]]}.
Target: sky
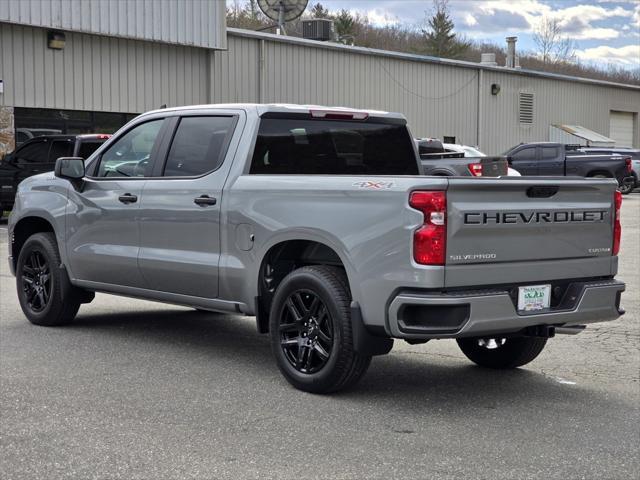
{"points": [[605, 31]]}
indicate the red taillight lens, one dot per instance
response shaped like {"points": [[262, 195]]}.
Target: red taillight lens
{"points": [[617, 226], [475, 169], [430, 240], [627, 161]]}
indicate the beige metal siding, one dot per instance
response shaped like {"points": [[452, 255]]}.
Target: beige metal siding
{"points": [[188, 22], [555, 102], [438, 100], [98, 73]]}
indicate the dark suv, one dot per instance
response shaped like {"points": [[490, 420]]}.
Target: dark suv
{"points": [[39, 155]]}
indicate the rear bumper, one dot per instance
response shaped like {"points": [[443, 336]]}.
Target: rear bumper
{"points": [[492, 311]]}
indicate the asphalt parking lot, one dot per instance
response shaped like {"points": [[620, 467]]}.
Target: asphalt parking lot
{"points": [[141, 390]]}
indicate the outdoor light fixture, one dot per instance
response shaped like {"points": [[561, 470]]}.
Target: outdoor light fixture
{"points": [[55, 40], [495, 88]]}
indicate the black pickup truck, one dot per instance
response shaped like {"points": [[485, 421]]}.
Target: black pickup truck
{"points": [[557, 159], [38, 155], [439, 162]]}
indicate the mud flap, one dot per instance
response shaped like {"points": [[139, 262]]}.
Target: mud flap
{"points": [[363, 341]]}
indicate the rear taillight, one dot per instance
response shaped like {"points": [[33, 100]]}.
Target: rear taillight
{"points": [[475, 169], [629, 165], [617, 226], [430, 240]]}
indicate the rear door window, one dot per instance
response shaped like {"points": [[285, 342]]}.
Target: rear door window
{"points": [[199, 146], [549, 153], [305, 146], [60, 148]]}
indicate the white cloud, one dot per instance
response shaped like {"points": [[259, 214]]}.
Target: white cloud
{"points": [[627, 56], [470, 20], [380, 18], [575, 20]]}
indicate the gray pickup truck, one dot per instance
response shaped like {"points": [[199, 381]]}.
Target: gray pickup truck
{"points": [[317, 222], [551, 159]]}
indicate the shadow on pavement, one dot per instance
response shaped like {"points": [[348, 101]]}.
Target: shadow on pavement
{"points": [[411, 378]]}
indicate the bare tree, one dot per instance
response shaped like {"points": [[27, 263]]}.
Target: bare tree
{"points": [[552, 45]]}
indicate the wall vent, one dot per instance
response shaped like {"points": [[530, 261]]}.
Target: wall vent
{"points": [[525, 108]]}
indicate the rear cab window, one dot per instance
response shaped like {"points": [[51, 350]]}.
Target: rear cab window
{"points": [[297, 144]]}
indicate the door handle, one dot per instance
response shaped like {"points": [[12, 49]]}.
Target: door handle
{"points": [[128, 198], [204, 200]]}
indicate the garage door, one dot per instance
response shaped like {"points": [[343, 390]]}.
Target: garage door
{"points": [[621, 128]]}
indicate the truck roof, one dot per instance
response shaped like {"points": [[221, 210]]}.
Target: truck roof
{"points": [[263, 108]]}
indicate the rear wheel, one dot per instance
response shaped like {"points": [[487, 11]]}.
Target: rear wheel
{"points": [[502, 353], [45, 294], [627, 188], [310, 329]]}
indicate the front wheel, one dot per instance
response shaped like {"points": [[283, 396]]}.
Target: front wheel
{"points": [[45, 294], [310, 329], [502, 353]]}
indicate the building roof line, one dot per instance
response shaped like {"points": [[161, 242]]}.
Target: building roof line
{"points": [[422, 58]]}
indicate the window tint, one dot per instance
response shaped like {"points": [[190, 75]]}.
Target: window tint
{"points": [[549, 153], [35, 152], [305, 146], [130, 155], [525, 154], [60, 148], [87, 148], [198, 146]]}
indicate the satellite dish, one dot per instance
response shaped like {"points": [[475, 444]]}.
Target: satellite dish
{"points": [[282, 11]]}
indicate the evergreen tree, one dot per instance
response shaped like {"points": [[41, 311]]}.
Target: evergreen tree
{"points": [[439, 38], [319, 11], [344, 24]]}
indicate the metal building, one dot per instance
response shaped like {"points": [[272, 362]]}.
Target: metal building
{"points": [[89, 65]]}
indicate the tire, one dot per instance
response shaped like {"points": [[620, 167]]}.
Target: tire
{"points": [[626, 189], [315, 353], [45, 294], [507, 353]]}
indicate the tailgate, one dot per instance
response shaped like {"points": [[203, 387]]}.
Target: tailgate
{"points": [[502, 230]]}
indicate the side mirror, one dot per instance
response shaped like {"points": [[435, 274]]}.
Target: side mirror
{"points": [[71, 168]]}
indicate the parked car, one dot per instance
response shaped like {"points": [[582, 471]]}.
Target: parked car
{"points": [[24, 134], [557, 159], [39, 155], [634, 153], [438, 161], [316, 221], [473, 152]]}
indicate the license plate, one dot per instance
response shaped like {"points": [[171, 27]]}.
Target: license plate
{"points": [[534, 297]]}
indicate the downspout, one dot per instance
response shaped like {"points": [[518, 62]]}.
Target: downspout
{"points": [[479, 110], [210, 76], [261, 72]]}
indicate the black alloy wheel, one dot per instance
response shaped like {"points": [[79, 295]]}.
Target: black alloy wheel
{"points": [[36, 281], [45, 293], [311, 332], [306, 331]]}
